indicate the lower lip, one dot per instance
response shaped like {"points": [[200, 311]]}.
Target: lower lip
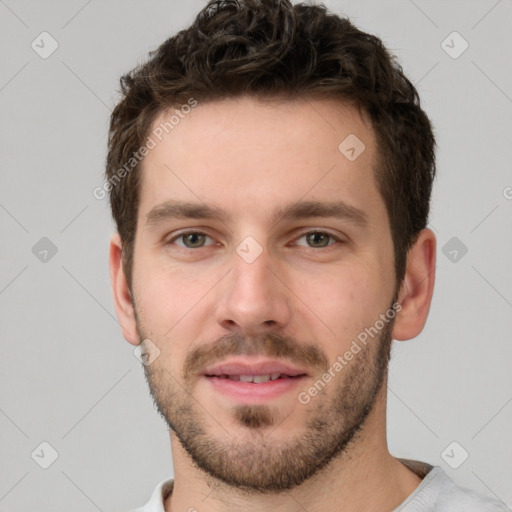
{"points": [[255, 392]]}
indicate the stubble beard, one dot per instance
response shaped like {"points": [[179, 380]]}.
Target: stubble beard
{"points": [[252, 458]]}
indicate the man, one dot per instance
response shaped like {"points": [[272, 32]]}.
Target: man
{"points": [[270, 171]]}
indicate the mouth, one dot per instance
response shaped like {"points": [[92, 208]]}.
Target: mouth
{"points": [[249, 382], [256, 379]]}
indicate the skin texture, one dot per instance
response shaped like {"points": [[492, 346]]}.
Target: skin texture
{"points": [[303, 300]]}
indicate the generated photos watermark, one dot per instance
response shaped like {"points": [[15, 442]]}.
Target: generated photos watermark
{"points": [[156, 136], [305, 397]]}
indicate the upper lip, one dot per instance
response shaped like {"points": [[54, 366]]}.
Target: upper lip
{"points": [[246, 367]]}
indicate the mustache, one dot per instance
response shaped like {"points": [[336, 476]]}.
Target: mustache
{"points": [[266, 344]]}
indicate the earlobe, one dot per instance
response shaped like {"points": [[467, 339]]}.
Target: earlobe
{"points": [[121, 292], [417, 287]]}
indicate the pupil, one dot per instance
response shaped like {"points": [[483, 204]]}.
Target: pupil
{"points": [[313, 237], [193, 238]]}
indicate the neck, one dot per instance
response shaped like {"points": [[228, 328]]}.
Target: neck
{"points": [[365, 478]]}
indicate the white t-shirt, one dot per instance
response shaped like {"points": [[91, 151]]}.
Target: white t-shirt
{"points": [[436, 493]]}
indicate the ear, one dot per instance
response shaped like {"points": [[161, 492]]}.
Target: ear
{"points": [[417, 287], [121, 292]]}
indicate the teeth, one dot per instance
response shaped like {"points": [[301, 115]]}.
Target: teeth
{"points": [[253, 378], [260, 378]]}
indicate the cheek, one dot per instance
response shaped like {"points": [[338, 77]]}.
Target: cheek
{"points": [[346, 300], [175, 307], [168, 287], [166, 313], [163, 298]]}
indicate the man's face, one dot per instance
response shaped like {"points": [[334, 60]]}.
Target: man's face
{"points": [[254, 285]]}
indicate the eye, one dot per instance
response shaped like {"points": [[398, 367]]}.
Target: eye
{"points": [[190, 239], [318, 239]]}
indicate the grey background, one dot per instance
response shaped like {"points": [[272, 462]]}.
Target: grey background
{"points": [[67, 375]]}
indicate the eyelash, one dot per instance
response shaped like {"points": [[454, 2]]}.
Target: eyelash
{"points": [[305, 233]]}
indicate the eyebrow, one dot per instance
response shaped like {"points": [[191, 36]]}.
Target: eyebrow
{"points": [[173, 209]]}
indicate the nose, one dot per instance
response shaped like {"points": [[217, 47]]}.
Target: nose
{"points": [[253, 297]]}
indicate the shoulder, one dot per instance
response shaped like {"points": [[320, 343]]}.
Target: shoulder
{"points": [[158, 497], [439, 493], [457, 498]]}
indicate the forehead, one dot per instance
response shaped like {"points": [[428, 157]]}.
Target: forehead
{"points": [[243, 155]]}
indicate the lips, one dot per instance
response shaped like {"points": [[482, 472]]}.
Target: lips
{"points": [[256, 372], [251, 381], [256, 379]]}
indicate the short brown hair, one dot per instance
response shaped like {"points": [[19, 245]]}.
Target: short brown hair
{"points": [[273, 49]]}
